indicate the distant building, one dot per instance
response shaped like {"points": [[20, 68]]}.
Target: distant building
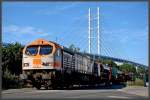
{"points": [[118, 63]]}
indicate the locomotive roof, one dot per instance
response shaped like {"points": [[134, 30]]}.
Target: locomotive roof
{"points": [[43, 41], [74, 52], [55, 43]]}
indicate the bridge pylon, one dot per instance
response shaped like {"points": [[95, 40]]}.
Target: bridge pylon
{"points": [[92, 30]]}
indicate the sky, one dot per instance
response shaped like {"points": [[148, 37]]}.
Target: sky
{"points": [[123, 26]]}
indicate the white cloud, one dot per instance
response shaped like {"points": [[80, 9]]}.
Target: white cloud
{"points": [[59, 9], [125, 35], [20, 30], [11, 28]]}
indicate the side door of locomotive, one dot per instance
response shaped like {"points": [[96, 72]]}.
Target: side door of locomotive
{"points": [[58, 59]]}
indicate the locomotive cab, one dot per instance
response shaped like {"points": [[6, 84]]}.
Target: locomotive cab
{"points": [[40, 61]]}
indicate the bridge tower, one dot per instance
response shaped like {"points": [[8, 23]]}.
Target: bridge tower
{"points": [[92, 30], [98, 33], [89, 31]]}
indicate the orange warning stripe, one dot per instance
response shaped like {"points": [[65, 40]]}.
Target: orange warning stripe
{"points": [[57, 64], [36, 61]]}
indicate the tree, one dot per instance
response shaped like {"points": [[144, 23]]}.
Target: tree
{"points": [[84, 51], [12, 58], [110, 63], [140, 70], [77, 49], [11, 65], [125, 67], [73, 48]]}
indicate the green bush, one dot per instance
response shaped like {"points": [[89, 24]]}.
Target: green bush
{"points": [[12, 58], [11, 65], [10, 81]]}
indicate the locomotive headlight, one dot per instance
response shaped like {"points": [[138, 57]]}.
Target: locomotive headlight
{"points": [[46, 64], [50, 64], [26, 64]]}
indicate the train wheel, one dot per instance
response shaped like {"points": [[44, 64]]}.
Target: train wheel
{"points": [[38, 86], [61, 86], [47, 84], [69, 86], [54, 86], [46, 87], [107, 84]]}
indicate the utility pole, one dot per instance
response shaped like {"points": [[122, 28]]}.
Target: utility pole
{"points": [[56, 40], [89, 31]]}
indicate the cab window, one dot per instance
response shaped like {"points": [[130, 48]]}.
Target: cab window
{"points": [[45, 50], [32, 50]]}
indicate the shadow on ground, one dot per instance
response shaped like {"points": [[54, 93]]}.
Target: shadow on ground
{"points": [[96, 87]]}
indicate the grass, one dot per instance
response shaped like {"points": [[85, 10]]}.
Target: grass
{"points": [[137, 82]]}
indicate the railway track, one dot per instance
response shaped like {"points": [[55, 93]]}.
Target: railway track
{"points": [[84, 92]]}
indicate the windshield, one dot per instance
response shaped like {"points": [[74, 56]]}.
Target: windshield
{"points": [[32, 50], [44, 50]]}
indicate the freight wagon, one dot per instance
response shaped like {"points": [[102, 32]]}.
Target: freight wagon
{"points": [[118, 76], [46, 63]]}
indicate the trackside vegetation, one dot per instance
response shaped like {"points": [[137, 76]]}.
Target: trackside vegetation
{"points": [[11, 65]]}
